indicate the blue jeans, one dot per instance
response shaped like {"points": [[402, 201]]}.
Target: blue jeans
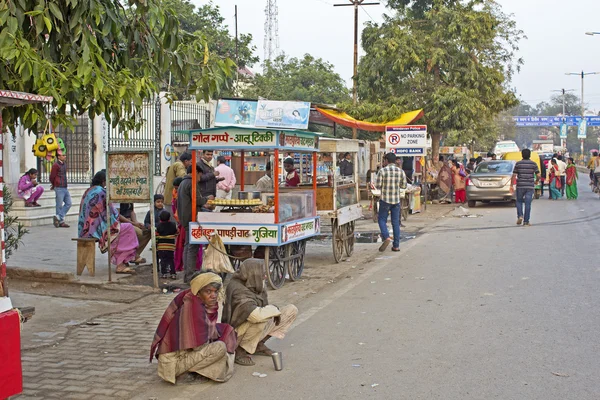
{"points": [[384, 210], [63, 202], [524, 195]]}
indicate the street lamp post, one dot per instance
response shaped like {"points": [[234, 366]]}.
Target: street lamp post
{"points": [[582, 74], [563, 142]]}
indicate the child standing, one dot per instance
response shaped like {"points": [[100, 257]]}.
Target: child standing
{"points": [[166, 235], [159, 206]]}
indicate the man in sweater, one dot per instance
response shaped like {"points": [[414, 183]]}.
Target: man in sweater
{"points": [[210, 177], [58, 183], [178, 169]]}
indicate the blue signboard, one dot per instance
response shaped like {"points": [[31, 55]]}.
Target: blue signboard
{"points": [[235, 113], [282, 114], [408, 152], [555, 121], [581, 131]]}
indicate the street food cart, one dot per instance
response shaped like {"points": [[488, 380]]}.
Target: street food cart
{"points": [[278, 227], [338, 196], [11, 377]]}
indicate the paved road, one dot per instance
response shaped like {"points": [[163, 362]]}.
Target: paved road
{"points": [[478, 308]]}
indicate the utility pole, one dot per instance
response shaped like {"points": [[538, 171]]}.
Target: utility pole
{"points": [[582, 74], [355, 4], [563, 142], [237, 60]]}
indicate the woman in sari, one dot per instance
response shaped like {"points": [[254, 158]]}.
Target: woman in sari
{"points": [[555, 184], [93, 223], [572, 178]]}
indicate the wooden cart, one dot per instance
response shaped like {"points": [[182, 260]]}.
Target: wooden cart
{"points": [[279, 236], [338, 198]]}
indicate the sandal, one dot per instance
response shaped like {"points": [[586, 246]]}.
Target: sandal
{"points": [[126, 270], [163, 276], [139, 260], [173, 276], [246, 361]]}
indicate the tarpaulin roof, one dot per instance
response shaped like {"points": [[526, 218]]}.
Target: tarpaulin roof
{"points": [[344, 119]]}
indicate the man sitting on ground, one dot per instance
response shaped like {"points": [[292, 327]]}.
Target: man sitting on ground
{"points": [[188, 337], [247, 309]]}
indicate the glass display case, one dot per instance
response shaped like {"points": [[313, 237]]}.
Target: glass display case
{"points": [[295, 205], [346, 195]]}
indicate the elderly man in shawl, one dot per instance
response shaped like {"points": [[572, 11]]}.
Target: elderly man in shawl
{"points": [[188, 337], [247, 309]]}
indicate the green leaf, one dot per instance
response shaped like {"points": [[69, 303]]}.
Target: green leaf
{"points": [[55, 10], [48, 23]]}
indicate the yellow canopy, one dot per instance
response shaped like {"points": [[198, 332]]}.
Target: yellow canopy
{"points": [[344, 119]]}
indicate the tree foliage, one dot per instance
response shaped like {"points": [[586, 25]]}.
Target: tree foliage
{"points": [[305, 79], [208, 21], [99, 56], [455, 61]]}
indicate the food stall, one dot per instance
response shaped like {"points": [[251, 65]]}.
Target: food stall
{"points": [[338, 196], [285, 218]]}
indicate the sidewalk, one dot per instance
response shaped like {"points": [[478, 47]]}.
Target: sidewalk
{"points": [[100, 350]]}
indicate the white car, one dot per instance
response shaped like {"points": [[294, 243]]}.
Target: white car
{"points": [[505, 146]]}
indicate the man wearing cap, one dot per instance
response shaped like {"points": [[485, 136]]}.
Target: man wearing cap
{"points": [[189, 339]]}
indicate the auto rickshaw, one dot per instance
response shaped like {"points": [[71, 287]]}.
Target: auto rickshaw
{"points": [[535, 157]]}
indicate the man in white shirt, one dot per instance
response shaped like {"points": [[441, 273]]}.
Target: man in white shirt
{"points": [[562, 168], [265, 184]]}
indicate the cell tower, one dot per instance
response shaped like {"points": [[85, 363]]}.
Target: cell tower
{"points": [[271, 30]]}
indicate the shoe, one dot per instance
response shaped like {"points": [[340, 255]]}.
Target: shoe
{"points": [[519, 220], [163, 276], [173, 276], [385, 244], [395, 248], [35, 204], [55, 221], [526, 224], [29, 205], [63, 225]]}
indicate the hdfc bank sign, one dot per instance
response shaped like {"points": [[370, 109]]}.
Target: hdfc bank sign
{"points": [[406, 139]]}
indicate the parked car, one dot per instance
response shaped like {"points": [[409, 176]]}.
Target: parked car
{"points": [[490, 181]]}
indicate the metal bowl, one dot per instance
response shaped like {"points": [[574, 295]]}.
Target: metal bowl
{"points": [[248, 195]]}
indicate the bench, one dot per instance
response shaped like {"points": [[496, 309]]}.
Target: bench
{"points": [[86, 255]]}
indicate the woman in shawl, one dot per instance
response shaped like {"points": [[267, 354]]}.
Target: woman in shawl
{"points": [[247, 309], [189, 339], [555, 184], [28, 188], [94, 223], [572, 178]]}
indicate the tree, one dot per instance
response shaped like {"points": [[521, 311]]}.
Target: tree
{"points": [[208, 21], [307, 79], [99, 57], [455, 62]]}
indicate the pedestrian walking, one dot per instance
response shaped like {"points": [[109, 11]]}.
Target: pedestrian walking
{"points": [[572, 178], [390, 181], [526, 175], [555, 183], [58, 183], [562, 167], [225, 186]]}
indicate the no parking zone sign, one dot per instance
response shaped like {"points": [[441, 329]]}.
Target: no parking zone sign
{"points": [[408, 140]]}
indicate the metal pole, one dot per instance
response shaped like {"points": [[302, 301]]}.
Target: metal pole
{"points": [[2, 249], [153, 223], [108, 216], [563, 143], [582, 108], [355, 69]]}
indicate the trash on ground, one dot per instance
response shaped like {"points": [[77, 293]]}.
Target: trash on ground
{"points": [[92, 323], [262, 376], [387, 279], [560, 374], [256, 374], [360, 343], [383, 258], [375, 385], [356, 365]]}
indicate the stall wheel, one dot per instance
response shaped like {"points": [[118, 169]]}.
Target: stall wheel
{"points": [[295, 252], [277, 266], [338, 234], [349, 242]]}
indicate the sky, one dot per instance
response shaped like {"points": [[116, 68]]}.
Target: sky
{"points": [[556, 42]]}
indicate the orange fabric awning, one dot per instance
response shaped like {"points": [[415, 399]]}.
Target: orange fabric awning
{"points": [[344, 119]]}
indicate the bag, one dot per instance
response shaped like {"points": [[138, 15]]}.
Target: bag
{"points": [[216, 258], [557, 182]]}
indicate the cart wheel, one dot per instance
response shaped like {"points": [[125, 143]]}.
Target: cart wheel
{"points": [[296, 265], [349, 242], [337, 239], [277, 267]]}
